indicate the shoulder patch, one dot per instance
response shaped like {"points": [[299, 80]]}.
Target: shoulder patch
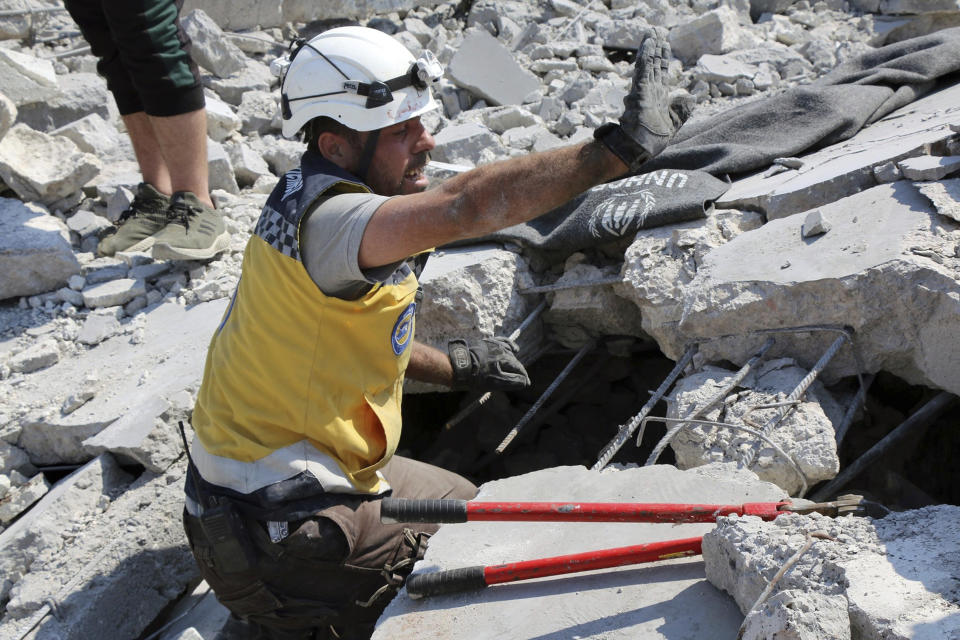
{"points": [[293, 182], [402, 333]]}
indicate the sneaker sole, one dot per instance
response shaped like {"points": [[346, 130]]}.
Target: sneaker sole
{"points": [[164, 251], [140, 247]]}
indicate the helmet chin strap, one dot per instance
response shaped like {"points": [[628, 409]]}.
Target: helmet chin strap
{"points": [[367, 156]]}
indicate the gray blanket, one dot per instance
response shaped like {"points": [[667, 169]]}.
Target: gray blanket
{"points": [[682, 181]]}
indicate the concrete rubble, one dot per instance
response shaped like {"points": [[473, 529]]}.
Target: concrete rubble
{"points": [[861, 235]]}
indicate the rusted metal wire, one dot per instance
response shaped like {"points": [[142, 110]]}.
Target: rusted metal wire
{"points": [[627, 429], [712, 402], [748, 457], [685, 422], [851, 411], [584, 350]]}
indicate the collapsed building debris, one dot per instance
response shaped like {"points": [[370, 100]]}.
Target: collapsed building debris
{"points": [[848, 218]]}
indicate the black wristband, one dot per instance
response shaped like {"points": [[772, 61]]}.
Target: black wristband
{"points": [[612, 136], [460, 360]]}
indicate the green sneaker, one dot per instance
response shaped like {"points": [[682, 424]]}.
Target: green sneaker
{"points": [[146, 216], [194, 231]]}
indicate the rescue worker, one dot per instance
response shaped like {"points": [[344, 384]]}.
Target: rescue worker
{"points": [[298, 416]]}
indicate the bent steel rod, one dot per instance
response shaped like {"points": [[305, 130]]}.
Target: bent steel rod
{"points": [[795, 395], [923, 417], [584, 350], [712, 402], [627, 430]]}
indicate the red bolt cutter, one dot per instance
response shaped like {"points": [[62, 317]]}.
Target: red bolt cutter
{"points": [[394, 510]]}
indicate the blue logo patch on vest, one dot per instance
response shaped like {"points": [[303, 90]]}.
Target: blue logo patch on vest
{"points": [[403, 329]]}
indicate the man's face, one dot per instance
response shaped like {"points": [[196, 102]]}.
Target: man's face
{"points": [[402, 152]]}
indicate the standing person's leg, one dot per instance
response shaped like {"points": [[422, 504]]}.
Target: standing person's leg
{"points": [[155, 52]]}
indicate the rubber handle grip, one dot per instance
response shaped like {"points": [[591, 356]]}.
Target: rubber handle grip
{"points": [[441, 582], [393, 510]]}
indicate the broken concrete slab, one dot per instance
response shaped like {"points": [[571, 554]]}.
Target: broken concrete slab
{"points": [[929, 167], [18, 499], [945, 196], [220, 174], [44, 168], [800, 615], [221, 120], [78, 94], [469, 143], [896, 574], [113, 293], [578, 314], [662, 261], [886, 241], [488, 69], [35, 251], [159, 359], [847, 167], [661, 600], [255, 76], [41, 534], [25, 78], [474, 293], [806, 434], [116, 603], [140, 436], [37, 356]]}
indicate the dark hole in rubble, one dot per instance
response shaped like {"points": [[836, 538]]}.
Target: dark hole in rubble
{"points": [[582, 416]]}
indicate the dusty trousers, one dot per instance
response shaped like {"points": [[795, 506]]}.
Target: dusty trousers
{"points": [[334, 573]]}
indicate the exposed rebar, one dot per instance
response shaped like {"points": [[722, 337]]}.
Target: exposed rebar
{"points": [[922, 418], [13, 13], [858, 400], [560, 286], [748, 457], [713, 423], [482, 399], [627, 429], [584, 350], [712, 402]]}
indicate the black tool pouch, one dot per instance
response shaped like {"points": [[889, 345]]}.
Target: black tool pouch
{"points": [[224, 528]]}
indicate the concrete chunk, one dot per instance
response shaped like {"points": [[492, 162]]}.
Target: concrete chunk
{"points": [[18, 499], [929, 167], [35, 251], [140, 436], [26, 79], [113, 293], [488, 69], [78, 95], [237, 15], [715, 32], [221, 174], [469, 143], [35, 357], [713, 68], [210, 48], [945, 196], [221, 120], [885, 241], [895, 574], [91, 134], [814, 224], [99, 325], [8, 113], [44, 168]]}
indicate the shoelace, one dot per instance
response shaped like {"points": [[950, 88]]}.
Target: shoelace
{"points": [[139, 205], [181, 212]]}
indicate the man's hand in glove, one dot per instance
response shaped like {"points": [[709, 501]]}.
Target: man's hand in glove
{"points": [[647, 123], [487, 364]]}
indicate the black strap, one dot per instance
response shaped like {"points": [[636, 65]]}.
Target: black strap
{"points": [[367, 156], [612, 136]]}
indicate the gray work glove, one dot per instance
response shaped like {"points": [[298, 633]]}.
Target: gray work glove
{"points": [[647, 123], [486, 365]]}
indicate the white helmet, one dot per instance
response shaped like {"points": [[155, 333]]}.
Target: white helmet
{"points": [[358, 76]]}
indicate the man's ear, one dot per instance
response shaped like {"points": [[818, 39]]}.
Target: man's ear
{"points": [[332, 147]]}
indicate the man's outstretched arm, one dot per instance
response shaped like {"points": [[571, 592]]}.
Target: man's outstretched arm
{"points": [[506, 193]]}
